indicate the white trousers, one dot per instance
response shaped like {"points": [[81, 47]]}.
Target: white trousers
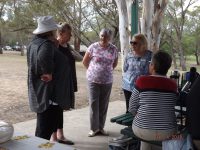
{"points": [[152, 135]]}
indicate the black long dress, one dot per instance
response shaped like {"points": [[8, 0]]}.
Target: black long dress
{"points": [[71, 62], [63, 85]]}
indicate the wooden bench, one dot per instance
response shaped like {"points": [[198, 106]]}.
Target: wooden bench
{"points": [[125, 119]]}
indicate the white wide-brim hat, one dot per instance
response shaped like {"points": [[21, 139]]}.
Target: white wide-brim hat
{"points": [[45, 24]]}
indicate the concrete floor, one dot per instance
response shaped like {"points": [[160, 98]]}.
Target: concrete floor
{"points": [[76, 127]]}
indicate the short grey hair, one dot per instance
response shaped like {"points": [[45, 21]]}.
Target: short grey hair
{"points": [[108, 32]]}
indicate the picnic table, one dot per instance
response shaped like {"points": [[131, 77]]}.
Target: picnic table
{"points": [[26, 142]]}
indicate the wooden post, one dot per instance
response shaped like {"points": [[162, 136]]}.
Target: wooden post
{"points": [[134, 18]]}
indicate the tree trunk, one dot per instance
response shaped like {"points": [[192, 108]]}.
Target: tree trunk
{"points": [[22, 50], [147, 15], [152, 16], [159, 9], [171, 45], [1, 51], [77, 43], [123, 28], [174, 57], [197, 54], [129, 11], [197, 58], [181, 57]]}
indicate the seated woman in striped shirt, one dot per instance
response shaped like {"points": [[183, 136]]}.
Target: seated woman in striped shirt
{"points": [[152, 102]]}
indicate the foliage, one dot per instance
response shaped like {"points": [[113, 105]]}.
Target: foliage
{"points": [[82, 15], [180, 29], [181, 26]]}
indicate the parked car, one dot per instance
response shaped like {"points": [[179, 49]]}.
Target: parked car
{"points": [[7, 48], [16, 48]]}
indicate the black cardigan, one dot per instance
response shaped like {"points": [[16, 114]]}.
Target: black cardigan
{"points": [[67, 52]]}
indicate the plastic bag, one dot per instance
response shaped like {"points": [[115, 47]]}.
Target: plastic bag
{"points": [[124, 144], [6, 131], [184, 143]]}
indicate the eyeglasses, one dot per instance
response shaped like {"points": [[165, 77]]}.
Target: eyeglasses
{"points": [[133, 43]]}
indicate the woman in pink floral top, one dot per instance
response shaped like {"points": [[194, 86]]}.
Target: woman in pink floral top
{"points": [[100, 60]]}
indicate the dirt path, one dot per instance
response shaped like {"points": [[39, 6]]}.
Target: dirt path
{"points": [[14, 105]]}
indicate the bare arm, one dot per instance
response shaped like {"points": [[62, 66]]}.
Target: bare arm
{"points": [[86, 60], [78, 57]]}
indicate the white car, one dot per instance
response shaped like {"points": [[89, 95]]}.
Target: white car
{"points": [[7, 48]]}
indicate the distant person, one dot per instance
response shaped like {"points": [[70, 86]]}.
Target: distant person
{"points": [[136, 64], [153, 102], [192, 75], [100, 59], [41, 65], [64, 36]]}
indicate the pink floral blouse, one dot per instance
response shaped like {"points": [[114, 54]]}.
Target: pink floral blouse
{"points": [[100, 68]]}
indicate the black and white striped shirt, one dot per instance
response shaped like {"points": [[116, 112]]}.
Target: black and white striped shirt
{"points": [[153, 101]]}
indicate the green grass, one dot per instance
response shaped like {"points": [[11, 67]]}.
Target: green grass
{"points": [[190, 62]]}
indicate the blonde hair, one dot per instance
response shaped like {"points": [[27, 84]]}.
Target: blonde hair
{"points": [[142, 39]]}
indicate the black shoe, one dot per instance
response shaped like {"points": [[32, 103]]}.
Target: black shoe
{"points": [[68, 142]]}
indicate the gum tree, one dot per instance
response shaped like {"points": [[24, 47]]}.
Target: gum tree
{"points": [[177, 14], [151, 20]]}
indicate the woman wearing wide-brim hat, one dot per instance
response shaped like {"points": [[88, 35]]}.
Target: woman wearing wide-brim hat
{"points": [[41, 66]]}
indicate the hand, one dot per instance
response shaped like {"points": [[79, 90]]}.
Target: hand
{"points": [[46, 77]]}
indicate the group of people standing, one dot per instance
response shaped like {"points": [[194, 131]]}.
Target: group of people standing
{"points": [[52, 78], [52, 83]]}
